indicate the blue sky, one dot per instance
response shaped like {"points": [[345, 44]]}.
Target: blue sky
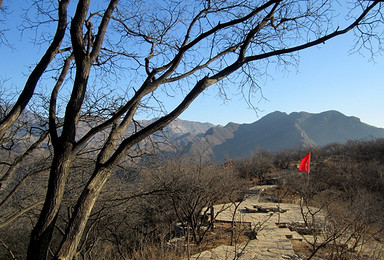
{"points": [[327, 78]]}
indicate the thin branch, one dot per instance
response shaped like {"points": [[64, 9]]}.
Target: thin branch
{"points": [[317, 41], [20, 213], [1, 241], [19, 184], [5, 178], [54, 94]]}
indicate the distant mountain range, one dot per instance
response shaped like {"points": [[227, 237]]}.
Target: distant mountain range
{"points": [[273, 132]]}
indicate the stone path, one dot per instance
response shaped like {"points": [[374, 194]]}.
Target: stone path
{"points": [[272, 242]]}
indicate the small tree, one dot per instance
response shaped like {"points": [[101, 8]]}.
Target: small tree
{"points": [[257, 166], [284, 159], [192, 188]]}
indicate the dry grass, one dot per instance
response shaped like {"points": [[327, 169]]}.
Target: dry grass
{"points": [[154, 252], [222, 235]]}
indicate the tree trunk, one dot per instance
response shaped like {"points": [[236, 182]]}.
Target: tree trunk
{"points": [[80, 216], [42, 232]]}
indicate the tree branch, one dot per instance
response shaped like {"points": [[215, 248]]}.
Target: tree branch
{"points": [[36, 74]]}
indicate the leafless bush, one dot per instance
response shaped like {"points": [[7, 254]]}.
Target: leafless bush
{"points": [[285, 159], [257, 166], [192, 187]]}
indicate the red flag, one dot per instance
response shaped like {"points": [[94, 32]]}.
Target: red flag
{"points": [[304, 165]]}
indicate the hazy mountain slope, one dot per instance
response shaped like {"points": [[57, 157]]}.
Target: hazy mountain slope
{"points": [[182, 127], [333, 126], [204, 143], [273, 132]]}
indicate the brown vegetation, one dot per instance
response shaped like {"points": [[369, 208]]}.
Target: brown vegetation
{"points": [[346, 183], [141, 216]]}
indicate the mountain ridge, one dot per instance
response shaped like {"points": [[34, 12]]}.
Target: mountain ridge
{"points": [[279, 130], [273, 132]]}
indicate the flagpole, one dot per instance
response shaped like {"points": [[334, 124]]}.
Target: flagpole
{"points": [[309, 167]]}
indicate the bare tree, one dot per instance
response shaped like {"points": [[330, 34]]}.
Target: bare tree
{"points": [[285, 158], [192, 188], [167, 48], [257, 166]]}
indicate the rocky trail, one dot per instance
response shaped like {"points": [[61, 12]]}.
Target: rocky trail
{"points": [[271, 241]]}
